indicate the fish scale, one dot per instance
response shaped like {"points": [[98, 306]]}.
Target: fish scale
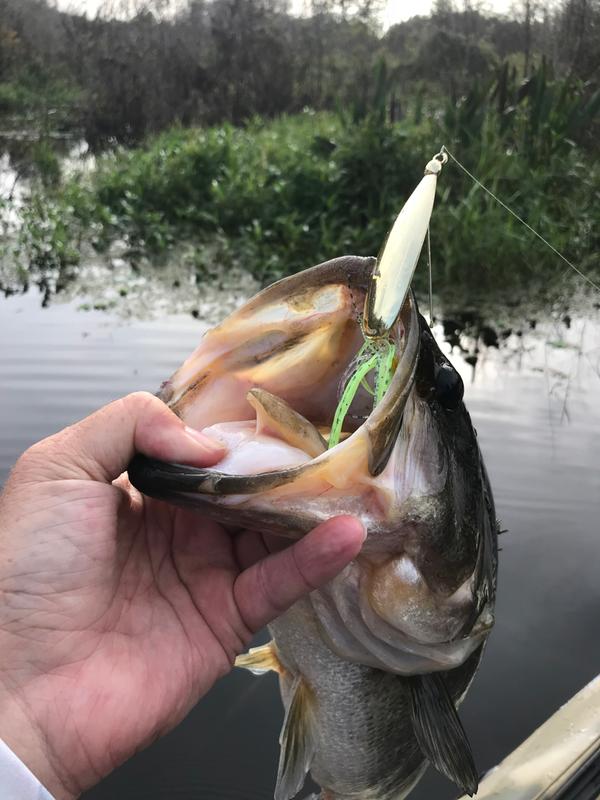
{"points": [[366, 746]]}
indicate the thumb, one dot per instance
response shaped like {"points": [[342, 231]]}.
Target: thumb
{"points": [[101, 446], [269, 587]]}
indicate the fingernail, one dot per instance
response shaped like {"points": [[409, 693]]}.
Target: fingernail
{"points": [[206, 441], [356, 523], [337, 542]]}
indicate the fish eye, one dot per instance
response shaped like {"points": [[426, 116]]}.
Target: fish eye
{"points": [[449, 388]]}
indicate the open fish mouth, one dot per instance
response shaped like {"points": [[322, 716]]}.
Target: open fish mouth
{"points": [[267, 382]]}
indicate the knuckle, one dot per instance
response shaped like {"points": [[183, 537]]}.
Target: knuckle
{"points": [[34, 455], [141, 400], [272, 604], [30, 464], [143, 408], [301, 570], [132, 406]]}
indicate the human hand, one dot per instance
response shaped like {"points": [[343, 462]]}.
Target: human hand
{"points": [[118, 612]]}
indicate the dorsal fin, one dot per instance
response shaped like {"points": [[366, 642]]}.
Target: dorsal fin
{"points": [[439, 731], [297, 741], [274, 415], [259, 660]]}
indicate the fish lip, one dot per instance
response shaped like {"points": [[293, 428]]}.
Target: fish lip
{"points": [[163, 479], [158, 478]]}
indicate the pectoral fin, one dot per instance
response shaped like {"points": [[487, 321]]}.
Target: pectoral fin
{"points": [[275, 416], [259, 660], [440, 733], [297, 741]]}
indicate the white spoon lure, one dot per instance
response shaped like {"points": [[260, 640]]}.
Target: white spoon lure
{"points": [[396, 265]]}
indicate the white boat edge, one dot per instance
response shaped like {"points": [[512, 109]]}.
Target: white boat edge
{"points": [[544, 765]]}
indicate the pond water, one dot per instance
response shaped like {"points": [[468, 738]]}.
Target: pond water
{"points": [[535, 404]]}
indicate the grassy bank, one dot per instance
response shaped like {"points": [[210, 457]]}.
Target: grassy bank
{"points": [[278, 196]]}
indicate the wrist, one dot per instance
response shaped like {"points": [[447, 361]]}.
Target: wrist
{"points": [[21, 733]]}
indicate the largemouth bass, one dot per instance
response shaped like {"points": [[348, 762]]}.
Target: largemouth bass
{"points": [[373, 666]]}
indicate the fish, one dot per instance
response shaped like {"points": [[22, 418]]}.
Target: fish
{"points": [[373, 666]]}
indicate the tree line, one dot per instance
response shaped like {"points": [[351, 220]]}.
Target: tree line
{"points": [[122, 76]]}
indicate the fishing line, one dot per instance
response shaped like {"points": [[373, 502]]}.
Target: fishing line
{"points": [[430, 277], [520, 219]]}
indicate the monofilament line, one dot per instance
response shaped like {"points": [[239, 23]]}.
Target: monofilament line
{"points": [[521, 220], [430, 277]]}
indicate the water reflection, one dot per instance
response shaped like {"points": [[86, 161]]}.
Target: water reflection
{"points": [[532, 392], [12, 191], [18, 156]]}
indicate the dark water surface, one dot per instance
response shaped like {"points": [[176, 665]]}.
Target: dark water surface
{"points": [[535, 405]]}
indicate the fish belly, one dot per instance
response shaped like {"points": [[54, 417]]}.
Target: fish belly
{"points": [[365, 748]]}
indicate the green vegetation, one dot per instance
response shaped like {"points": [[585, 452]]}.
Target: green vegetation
{"points": [[37, 99], [227, 164], [278, 196]]}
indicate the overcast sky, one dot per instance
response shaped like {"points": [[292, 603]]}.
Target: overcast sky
{"points": [[395, 11]]}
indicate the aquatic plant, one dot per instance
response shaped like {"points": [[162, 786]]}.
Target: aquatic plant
{"points": [[296, 190]]}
